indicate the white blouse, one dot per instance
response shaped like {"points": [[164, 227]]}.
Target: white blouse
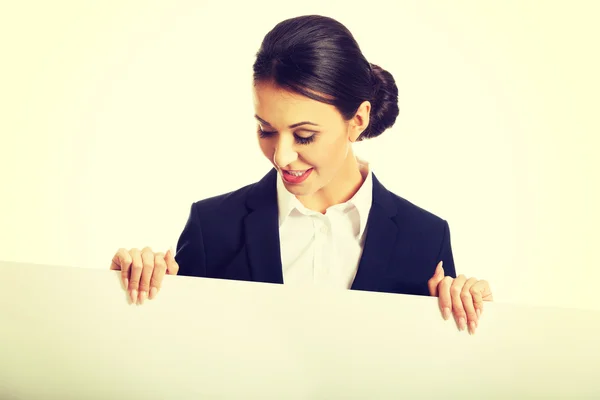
{"points": [[323, 249]]}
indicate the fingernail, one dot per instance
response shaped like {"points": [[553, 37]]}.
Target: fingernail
{"points": [[446, 313], [126, 283], [472, 327], [478, 313], [134, 295], [462, 324], [152, 293], [143, 296]]}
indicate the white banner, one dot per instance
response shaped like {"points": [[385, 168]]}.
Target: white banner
{"points": [[69, 333]]}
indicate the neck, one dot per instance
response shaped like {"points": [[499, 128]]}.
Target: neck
{"points": [[340, 189]]}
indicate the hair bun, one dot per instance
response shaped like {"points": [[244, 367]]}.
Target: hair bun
{"points": [[384, 107]]}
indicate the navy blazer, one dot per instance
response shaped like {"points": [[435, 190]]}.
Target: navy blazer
{"points": [[236, 236]]}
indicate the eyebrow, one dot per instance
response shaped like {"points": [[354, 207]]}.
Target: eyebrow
{"points": [[291, 126]]}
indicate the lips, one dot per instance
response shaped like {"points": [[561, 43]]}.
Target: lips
{"points": [[296, 177]]}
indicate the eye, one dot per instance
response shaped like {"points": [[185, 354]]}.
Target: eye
{"points": [[265, 134], [304, 140], [299, 139]]}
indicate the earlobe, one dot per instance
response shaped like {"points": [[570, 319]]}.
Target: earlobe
{"points": [[355, 133], [362, 117]]}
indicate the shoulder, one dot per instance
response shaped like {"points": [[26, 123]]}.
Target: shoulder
{"points": [[407, 209], [406, 213], [237, 202], [228, 203], [419, 224]]}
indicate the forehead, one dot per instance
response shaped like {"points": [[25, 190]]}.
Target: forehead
{"points": [[282, 107]]}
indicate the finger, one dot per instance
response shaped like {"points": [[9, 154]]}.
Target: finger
{"points": [[487, 292], [467, 302], [122, 261], [160, 267], [481, 292], [115, 264], [445, 300], [172, 266], [435, 280], [457, 307], [148, 262], [135, 274]]}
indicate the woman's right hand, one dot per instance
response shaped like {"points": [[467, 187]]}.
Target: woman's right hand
{"points": [[142, 271]]}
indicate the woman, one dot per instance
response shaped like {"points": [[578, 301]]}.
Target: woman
{"points": [[320, 216]]}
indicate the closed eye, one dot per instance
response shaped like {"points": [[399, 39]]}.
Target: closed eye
{"points": [[299, 139]]}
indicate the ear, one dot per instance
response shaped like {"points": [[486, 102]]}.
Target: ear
{"points": [[360, 121]]}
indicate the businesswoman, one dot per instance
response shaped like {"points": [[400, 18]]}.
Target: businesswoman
{"points": [[320, 216]]}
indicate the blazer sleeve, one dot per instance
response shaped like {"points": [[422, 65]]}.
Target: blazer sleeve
{"points": [[190, 255], [445, 253]]}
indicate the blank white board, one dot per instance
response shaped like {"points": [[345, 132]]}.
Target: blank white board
{"points": [[69, 333]]}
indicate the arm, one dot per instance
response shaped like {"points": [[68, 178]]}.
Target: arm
{"points": [[460, 296], [445, 253], [190, 255]]}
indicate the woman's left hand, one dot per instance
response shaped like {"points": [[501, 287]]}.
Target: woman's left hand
{"points": [[462, 297]]}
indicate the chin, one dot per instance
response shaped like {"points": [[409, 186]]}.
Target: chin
{"points": [[298, 190]]}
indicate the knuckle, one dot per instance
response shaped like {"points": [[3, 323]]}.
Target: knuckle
{"points": [[136, 265], [160, 266], [144, 284], [148, 263], [447, 281], [455, 290], [155, 282], [148, 258], [146, 250], [465, 296]]}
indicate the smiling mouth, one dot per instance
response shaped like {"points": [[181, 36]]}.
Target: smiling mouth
{"points": [[296, 173], [296, 176]]}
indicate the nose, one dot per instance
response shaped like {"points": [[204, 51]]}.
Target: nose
{"points": [[285, 153]]}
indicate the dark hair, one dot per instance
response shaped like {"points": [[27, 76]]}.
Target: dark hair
{"points": [[319, 58]]}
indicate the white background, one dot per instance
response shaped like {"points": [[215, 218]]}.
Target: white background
{"points": [[115, 116]]}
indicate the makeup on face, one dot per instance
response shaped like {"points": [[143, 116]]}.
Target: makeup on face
{"points": [[295, 177], [306, 141]]}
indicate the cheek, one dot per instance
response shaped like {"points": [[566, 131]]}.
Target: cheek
{"points": [[266, 148], [325, 154]]}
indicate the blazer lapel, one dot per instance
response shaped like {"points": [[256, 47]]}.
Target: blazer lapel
{"points": [[381, 233], [261, 230]]}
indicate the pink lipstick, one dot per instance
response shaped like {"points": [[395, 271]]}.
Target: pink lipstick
{"points": [[295, 177]]}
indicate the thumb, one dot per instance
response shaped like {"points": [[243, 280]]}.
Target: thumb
{"points": [[172, 266], [439, 270], [437, 277]]}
